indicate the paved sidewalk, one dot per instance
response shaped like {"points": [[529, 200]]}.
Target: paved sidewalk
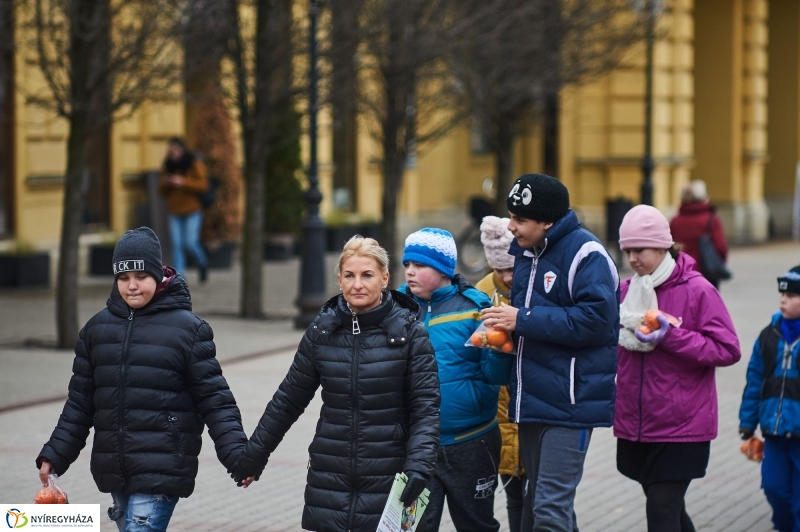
{"points": [[728, 499]]}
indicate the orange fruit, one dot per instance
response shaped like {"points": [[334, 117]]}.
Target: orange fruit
{"points": [[475, 339], [644, 329], [496, 337], [651, 320], [508, 347], [49, 496]]}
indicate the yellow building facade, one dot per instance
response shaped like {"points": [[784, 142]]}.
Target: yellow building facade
{"points": [[726, 109]]}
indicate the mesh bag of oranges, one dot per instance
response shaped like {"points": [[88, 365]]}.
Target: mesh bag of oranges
{"points": [[52, 493], [650, 321], [753, 449], [491, 338]]}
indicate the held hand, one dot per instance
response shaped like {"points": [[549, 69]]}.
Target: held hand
{"points": [[416, 483], [504, 317], [44, 472], [246, 482], [657, 335]]}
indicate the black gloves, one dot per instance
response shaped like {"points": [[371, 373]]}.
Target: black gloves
{"points": [[245, 467], [746, 434], [416, 483]]}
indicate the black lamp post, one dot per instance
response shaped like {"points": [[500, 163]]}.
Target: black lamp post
{"points": [[647, 161], [312, 276]]}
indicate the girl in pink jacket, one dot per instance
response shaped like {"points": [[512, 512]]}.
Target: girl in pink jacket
{"points": [[666, 405]]}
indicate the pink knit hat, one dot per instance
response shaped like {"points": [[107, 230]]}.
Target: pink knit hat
{"points": [[496, 240], [645, 227]]}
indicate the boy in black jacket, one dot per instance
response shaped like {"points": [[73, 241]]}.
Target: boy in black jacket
{"points": [[146, 378]]}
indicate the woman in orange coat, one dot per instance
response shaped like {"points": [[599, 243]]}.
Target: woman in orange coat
{"points": [[182, 180]]}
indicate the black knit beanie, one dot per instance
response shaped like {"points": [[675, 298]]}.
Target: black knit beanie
{"points": [[538, 197], [139, 251], [790, 282]]}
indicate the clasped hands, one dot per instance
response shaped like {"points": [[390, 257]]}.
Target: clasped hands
{"points": [[245, 471]]}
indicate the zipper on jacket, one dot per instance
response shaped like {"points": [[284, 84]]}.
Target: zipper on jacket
{"points": [[121, 403], [641, 387], [531, 278], [176, 438], [356, 326], [787, 360], [354, 432], [428, 316]]}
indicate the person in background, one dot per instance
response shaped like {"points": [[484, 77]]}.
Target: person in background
{"points": [[772, 399], [496, 240], [380, 399], [146, 378], [469, 378], [666, 410], [565, 316], [698, 217], [183, 178]]}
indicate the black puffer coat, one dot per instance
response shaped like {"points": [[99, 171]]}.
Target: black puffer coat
{"points": [[380, 413], [148, 381]]}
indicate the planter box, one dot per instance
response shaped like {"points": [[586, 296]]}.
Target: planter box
{"points": [[101, 257], [336, 237], [219, 258], [25, 270], [279, 247]]}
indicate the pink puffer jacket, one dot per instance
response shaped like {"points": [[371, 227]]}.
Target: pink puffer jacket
{"points": [[669, 394]]}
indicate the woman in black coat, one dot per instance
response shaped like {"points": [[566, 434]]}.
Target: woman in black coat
{"points": [[380, 393]]}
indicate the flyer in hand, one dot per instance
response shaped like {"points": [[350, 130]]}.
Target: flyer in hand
{"points": [[395, 517]]}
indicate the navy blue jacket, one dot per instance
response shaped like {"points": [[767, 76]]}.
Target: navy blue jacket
{"points": [[772, 394], [567, 328]]}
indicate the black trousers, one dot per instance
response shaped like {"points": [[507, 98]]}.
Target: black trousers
{"points": [[520, 513], [666, 508], [466, 475]]}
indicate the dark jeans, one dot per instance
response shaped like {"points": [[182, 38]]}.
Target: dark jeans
{"points": [[666, 509], [466, 475], [553, 458], [780, 480], [520, 515]]}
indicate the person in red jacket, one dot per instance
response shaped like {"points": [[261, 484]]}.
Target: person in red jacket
{"points": [[696, 218]]}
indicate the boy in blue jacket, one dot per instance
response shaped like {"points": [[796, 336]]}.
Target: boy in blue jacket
{"points": [[772, 399], [565, 314], [469, 379]]}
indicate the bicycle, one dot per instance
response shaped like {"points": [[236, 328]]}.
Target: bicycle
{"points": [[471, 257]]}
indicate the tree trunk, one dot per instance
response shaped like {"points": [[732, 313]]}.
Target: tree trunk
{"points": [[504, 165], [74, 190], [253, 242]]}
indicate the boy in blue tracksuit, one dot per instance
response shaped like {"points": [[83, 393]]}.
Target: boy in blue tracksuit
{"points": [[469, 379], [565, 316], [772, 399]]}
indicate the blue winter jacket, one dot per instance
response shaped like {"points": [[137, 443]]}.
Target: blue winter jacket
{"points": [[772, 393], [469, 378], [567, 294]]}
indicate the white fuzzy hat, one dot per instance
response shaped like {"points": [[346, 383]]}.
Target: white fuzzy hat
{"points": [[496, 240]]}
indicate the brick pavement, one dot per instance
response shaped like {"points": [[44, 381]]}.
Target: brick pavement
{"points": [[728, 499]]}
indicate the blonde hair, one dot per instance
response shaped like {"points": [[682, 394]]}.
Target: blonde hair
{"points": [[364, 247]]}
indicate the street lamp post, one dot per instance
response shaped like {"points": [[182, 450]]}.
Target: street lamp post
{"points": [[312, 276], [647, 161]]}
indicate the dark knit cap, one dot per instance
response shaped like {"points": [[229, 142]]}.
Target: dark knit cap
{"points": [[538, 197], [790, 282], [139, 251]]}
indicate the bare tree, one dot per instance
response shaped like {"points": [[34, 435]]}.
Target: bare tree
{"points": [[519, 54], [261, 49], [405, 47], [100, 60], [6, 103]]}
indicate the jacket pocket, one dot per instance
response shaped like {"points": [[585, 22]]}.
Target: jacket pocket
{"points": [[572, 381], [172, 421]]}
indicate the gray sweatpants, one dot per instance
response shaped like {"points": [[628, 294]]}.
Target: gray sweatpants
{"points": [[553, 458]]}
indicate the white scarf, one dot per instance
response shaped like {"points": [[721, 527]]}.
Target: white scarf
{"points": [[640, 298]]}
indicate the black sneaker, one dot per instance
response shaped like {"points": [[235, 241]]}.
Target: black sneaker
{"points": [[203, 274]]}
